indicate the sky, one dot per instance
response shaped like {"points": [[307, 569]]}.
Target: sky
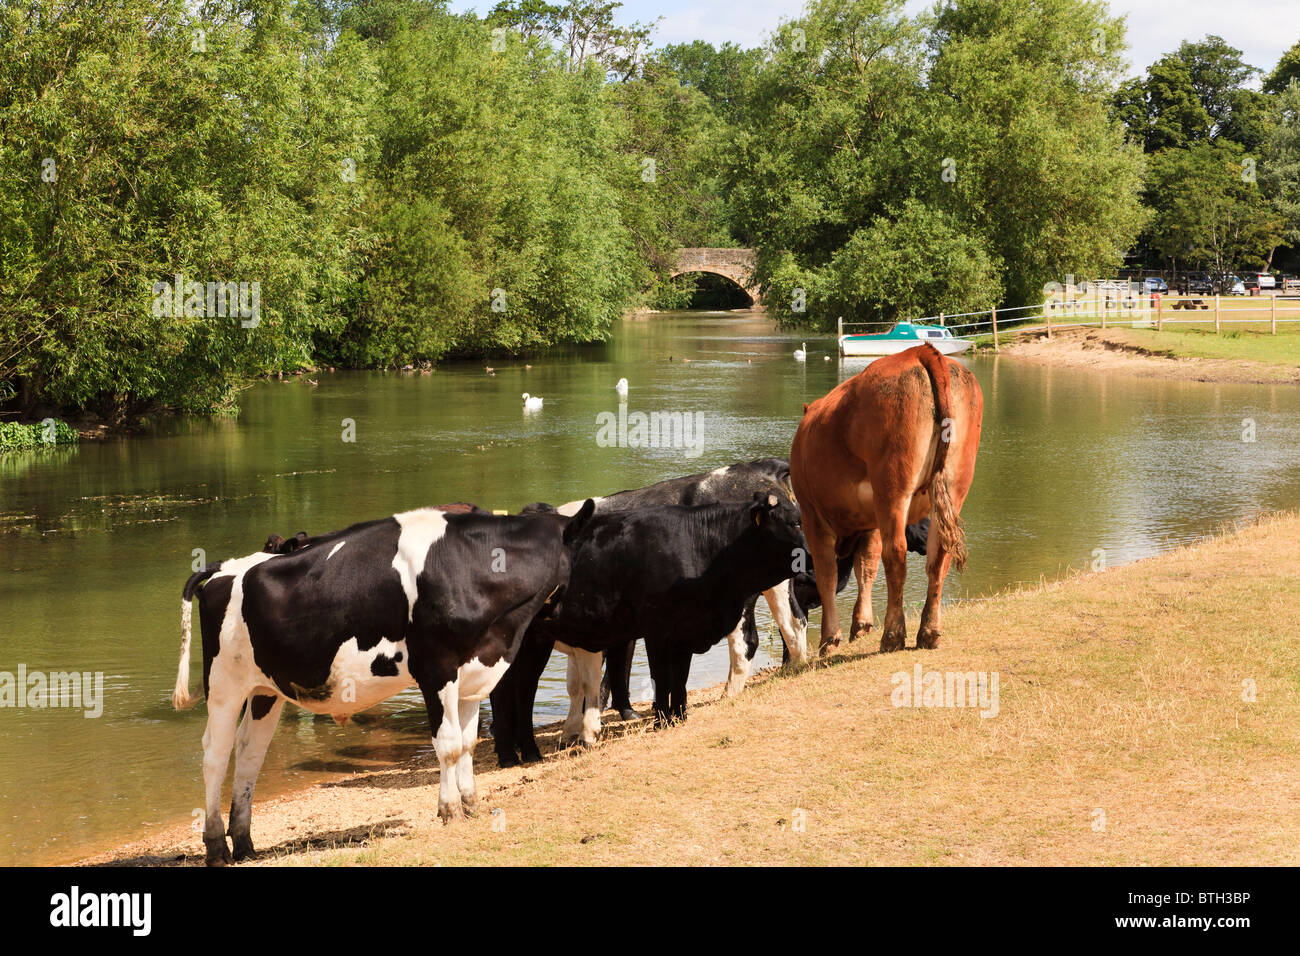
{"points": [[1262, 29]]}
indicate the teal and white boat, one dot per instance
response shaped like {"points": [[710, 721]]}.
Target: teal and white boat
{"points": [[903, 336]]}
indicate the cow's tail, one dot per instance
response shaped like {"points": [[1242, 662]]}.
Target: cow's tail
{"points": [[946, 522], [181, 699]]}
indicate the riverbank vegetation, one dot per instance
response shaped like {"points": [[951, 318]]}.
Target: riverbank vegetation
{"points": [[1144, 717], [194, 195]]}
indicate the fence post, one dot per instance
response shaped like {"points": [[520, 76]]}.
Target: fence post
{"points": [[1160, 312], [1216, 313], [1272, 314], [940, 318], [1048, 310], [995, 328], [839, 333]]}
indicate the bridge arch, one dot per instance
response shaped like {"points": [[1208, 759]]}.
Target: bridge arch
{"points": [[734, 264]]}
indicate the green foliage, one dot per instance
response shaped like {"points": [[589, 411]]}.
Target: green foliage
{"points": [[169, 151], [1217, 72], [1212, 213], [1279, 173], [16, 435], [1163, 110], [379, 170], [1286, 72], [897, 166], [725, 74], [1208, 132]]}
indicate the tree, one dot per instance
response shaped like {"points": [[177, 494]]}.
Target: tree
{"points": [[1211, 210], [873, 137], [1217, 72], [1286, 72], [398, 183], [1163, 110], [584, 30], [1279, 173], [726, 75], [1039, 169]]}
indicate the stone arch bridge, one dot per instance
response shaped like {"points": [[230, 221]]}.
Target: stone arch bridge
{"points": [[734, 264]]}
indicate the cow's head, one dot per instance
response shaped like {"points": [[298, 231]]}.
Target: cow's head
{"points": [[573, 528], [578, 522], [278, 545], [777, 517]]}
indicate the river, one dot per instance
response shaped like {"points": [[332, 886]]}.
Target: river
{"points": [[96, 541]]}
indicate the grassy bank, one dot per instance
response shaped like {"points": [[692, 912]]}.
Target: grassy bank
{"points": [[1193, 354], [1248, 345], [1147, 715]]}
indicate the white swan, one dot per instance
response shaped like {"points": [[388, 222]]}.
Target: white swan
{"points": [[801, 352], [532, 403], [621, 388]]}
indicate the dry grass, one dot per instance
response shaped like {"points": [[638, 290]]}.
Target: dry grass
{"points": [[1235, 357], [1120, 693]]}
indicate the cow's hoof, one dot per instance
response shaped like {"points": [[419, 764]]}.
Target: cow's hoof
{"points": [[627, 713], [469, 805], [894, 641], [447, 812], [828, 646], [530, 755], [510, 759], [928, 639], [243, 847], [218, 853], [567, 743], [858, 629]]}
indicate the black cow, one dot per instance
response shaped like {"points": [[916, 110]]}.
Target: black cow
{"points": [[680, 575], [439, 599], [736, 483]]}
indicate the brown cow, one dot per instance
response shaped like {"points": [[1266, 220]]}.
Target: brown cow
{"points": [[882, 450]]}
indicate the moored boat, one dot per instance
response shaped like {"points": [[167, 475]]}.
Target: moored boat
{"points": [[903, 336]]}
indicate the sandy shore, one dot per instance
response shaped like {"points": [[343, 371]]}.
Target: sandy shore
{"points": [[1144, 716], [1115, 350]]}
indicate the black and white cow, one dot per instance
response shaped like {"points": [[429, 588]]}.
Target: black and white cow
{"points": [[679, 576], [436, 598], [737, 483]]}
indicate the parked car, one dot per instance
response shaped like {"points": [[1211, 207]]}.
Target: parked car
{"points": [[1154, 284], [1265, 280], [1232, 285], [1199, 283]]}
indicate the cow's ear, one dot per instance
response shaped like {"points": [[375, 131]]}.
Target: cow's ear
{"points": [[764, 502], [805, 408], [579, 521]]}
